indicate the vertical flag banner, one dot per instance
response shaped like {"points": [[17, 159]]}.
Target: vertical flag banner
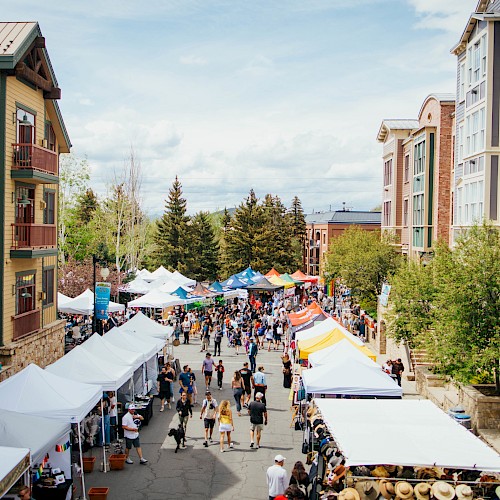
{"points": [[102, 296]]}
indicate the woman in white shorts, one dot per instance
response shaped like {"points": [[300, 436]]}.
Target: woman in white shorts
{"points": [[225, 423]]}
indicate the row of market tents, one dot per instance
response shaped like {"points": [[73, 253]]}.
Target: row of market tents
{"points": [[39, 405]]}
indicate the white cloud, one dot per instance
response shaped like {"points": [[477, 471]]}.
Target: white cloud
{"points": [[192, 60], [259, 65], [443, 14]]}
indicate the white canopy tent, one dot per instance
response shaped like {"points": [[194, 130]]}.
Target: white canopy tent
{"points": [[14, 462], [34, 391], [81, 366], [350, 377], [161, 272], [156, 300], [171, 285], [239, 293], [146, 345], [142, 326], [325, 326], [62, 299], [137, 286], [144, 274], [36, 433], [183, 280], [336, 353], [84, 304], [363, 428], [101, 348]]}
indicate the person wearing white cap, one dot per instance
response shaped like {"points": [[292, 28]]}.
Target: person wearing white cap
{"points": [[130, 425], [277, 480]]}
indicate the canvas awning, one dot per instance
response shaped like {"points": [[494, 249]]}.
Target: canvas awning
{"points": [[34, 391], [157, 300], [340, 351], [146, 345], [141, 325], [84, 304], [36, 433], [14, 462], [276, 280], [299, 275], [326, 326], [362, 428]]}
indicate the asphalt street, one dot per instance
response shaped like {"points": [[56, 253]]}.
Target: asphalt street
{"points": [[206, 473]]}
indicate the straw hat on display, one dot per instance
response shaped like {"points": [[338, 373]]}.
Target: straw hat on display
{"points": [[404, 490], [339, 473], [380, 471], [442, 490], [422, 491], [387, 489], [349, 494], [367, 489], [464, 491]]}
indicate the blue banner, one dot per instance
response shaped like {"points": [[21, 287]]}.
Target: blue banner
{"points": [[102, 295]]}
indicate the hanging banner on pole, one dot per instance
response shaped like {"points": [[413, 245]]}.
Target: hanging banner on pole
{"points": [[102, 296]]}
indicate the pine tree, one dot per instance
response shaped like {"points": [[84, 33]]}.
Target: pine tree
{"points": [[173, 235], [244, 238], [204, 265], [297, 223]]}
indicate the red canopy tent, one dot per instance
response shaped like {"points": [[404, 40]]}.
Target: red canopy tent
{"points": [[300, 276], [272, 272]]}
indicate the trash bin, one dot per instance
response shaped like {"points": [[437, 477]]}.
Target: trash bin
{"points": [[459, 415]]}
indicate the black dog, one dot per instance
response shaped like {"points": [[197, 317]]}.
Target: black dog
{"points": [[179, 436]]}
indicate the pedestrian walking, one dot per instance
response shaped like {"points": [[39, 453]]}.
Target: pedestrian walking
{"points": [[209, 411], [248, 382], [193, 384], [287, 371], [300, 477], [186, 328], [238, 387], [252, 354], [398, 369], [218, 335], [171, 378], [186, 383], [130, 426], [226, 424], [220, 374], [184, 410], [260, 384], [237, 340], [207, 369], [277, 477], [163, 386], [258, 419], [205, 335]]}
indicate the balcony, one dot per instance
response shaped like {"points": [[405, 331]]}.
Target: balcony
{"points": [[26, 323], [30, 241], [34, 163]]}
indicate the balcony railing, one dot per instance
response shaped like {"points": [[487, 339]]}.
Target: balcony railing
{"points": [[26, 323], [33, 236], [33, 157]]}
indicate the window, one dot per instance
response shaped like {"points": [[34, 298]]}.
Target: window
{"points": [[25, 214], [482, 127], [49, 212], [459, 220], [418, 210], [48, 286], [388, 173], [484, 47], [50, 136], [476, 61], [407, 168], [469, 65], [474, 141], [419, 158], [473, 202], [25, 292], [462, 82], [467, 136], [405, 211], [25, 126], [461, 142], [387, 213]]}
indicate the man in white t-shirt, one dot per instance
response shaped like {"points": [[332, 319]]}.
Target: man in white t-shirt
{"points": [[130, 425], [209, 411], [276, 477]]}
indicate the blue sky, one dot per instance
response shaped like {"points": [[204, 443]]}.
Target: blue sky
{"points": [[280, 96]]}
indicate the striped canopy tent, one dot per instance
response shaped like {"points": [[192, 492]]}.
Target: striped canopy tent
{"points": [[314, 344], [276, 280], [272, 272], [287, 277]]}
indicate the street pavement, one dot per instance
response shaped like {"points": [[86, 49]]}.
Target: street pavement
{"points": [[206, 473]]}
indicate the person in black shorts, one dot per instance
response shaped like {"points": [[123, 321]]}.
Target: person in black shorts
{"points": [[163, 385], [209, 411], [246, 375]]}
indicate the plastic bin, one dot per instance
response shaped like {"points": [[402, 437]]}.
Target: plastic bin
{"points": [[117, 461], [88, 464], [98, 493], [459, 415]]}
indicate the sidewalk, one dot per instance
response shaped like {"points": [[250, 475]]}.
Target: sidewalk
{"points": [[205, 473]]}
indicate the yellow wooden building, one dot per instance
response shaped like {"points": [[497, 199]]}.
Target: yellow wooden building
{"points": [[32, 136]]}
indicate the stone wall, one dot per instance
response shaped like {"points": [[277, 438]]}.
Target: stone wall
{"points": [[42, 348]]}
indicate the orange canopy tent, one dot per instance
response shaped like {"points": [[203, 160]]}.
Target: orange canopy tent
{"points": [[272, 272]]}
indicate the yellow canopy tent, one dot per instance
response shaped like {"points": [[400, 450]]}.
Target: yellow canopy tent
{"points": [[276, 280], [314, 344]]}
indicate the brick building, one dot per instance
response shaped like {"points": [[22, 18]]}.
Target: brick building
{"points": [[324, 227]]}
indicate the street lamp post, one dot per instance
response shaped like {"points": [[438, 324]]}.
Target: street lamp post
{"points": [[104, 272]]}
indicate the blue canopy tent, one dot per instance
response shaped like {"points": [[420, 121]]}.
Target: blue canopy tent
{"points": [[233, 282], [217, 287]]}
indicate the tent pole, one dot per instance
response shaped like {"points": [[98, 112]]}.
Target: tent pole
{"points": [[103, 438], [81, 462]]}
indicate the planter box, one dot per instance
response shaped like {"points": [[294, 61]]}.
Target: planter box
{"points": [[88, 464], [117, 461], [98, 493]]}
